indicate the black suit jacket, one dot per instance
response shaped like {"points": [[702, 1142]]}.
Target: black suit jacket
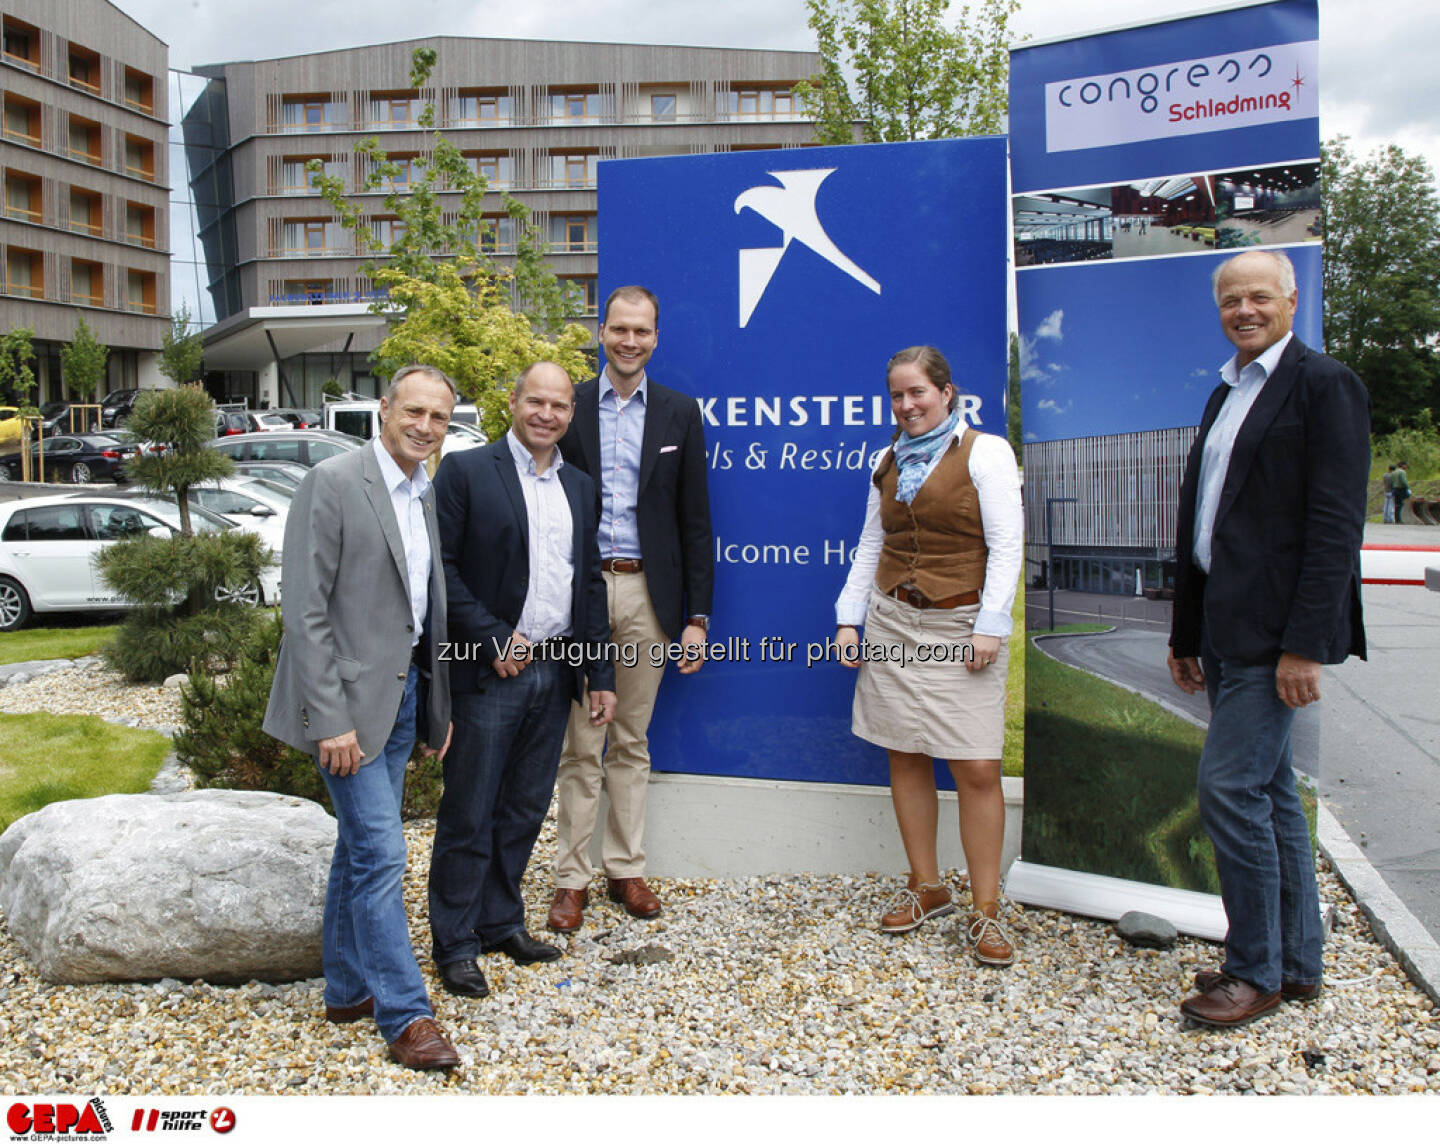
{"points": [[1285, 559], [673, 509], [484, 543]]}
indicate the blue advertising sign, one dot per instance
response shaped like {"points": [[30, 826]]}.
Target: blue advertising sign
{"points": [[787, 279]]}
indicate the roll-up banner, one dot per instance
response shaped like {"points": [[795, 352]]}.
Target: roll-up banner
{"points": [[786, 281], [1140, 160]]}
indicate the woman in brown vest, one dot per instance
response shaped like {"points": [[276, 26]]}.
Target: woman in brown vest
{"points": [[933, 582]]}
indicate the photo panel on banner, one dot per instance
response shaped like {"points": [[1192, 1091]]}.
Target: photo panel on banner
{"points": [[787, 279], [1141, 160]]}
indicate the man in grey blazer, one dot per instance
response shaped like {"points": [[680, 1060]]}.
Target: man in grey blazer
{"points": [[359, 678]]}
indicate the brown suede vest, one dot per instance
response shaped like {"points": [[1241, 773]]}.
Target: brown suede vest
{"points": [[936, 541]]}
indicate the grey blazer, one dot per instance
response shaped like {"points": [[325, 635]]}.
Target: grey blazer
{"points": [[346, 606]]}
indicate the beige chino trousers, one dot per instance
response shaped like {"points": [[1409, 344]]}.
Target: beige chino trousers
{"points": [[622, 767]]}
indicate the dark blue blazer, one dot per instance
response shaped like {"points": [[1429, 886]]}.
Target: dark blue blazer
{"points": [[673, 509], [484, 543], [1285, 561]]}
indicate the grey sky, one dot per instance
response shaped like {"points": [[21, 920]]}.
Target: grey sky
{"points": [[1378, 80]]}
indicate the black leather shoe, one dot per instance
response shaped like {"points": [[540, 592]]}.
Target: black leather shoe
{"points": [[464, 979], [523, 949]]}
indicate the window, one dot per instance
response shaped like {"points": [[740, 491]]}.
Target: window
{"points": [[497, 170], [388, 231], [482, 109], [139, 91], [576, 107], [582, 297], [497, 234], [85, 140], [84, 69], [87, 282], [140, 224], [393, 110], [572, 234], [22, 196], [662, 108], [25, 272], [85, 213], [22, 119], [56, 522], [307, 291], [756, 103], [405, 174], [296, 179], [22, 43], [312, 113], [118, 522], [308, 237], [573, 170], [140, 157], [140, 291]]}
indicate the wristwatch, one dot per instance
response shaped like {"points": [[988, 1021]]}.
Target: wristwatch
{"points": [[701, 622]]}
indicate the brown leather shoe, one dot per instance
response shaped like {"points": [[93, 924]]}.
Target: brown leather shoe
{"points": [[567, 910], [634, 895], [423, 1046], [1229, 1003], [915, 905], [1207, 979], [344, 1014], [990, 941]]}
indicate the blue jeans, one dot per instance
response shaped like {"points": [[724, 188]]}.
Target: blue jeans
{"points": [[366, 934], [1250, 809], [499, 776]]}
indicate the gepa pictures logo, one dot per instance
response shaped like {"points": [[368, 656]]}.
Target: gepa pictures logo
{"points": [[1239, 89], [42, 1120]]}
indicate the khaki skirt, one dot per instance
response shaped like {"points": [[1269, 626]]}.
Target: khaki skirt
{"points": [[915, 692]]}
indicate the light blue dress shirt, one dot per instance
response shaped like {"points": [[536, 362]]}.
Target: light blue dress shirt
{"points": [[552, 546], [622, 432], [1245, 386]]}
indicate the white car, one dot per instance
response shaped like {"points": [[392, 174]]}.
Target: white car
{"points": [[48, 547]]}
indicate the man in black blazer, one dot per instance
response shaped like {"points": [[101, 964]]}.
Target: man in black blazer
{"points": [[528, 632], [645, 447], [1272, 513]]}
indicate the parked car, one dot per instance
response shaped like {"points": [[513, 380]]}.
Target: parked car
{"points": [[48, 547], [307, 447], [244, 499], [116, 406], [269, 525], [300, 418], [10, 424], [268, 421], [360, 417], [77, 457], [289, 473]]}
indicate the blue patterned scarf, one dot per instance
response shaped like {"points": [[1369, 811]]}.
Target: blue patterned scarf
{"points": [[914, 454]]}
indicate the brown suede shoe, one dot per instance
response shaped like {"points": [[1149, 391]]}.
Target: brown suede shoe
{"points": [[567, 910], [1229, 1003], [915, 905], [344, 1014], [990, 941], [423, 1046], [1207, 979], [634, 895]]}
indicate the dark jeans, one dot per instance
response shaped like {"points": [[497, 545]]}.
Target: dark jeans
{"points": [[499, 776], [1252, 812]]}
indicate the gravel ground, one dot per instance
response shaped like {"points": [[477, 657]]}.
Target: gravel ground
{"points": [[759, 985]]}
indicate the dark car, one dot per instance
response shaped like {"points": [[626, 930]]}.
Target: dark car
{"points": [[56, 417], [301, 418], [117, 406], [307, 447], [78, 457], [231, 422]]}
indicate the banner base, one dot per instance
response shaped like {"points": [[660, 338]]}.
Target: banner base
{"points": [[1099, 896]]}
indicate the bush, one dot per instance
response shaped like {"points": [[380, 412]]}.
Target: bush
{"points": [[222, 742], [1417, 443]]}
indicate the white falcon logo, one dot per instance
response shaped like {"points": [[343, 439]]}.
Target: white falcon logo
{"points": [[791, 207]]}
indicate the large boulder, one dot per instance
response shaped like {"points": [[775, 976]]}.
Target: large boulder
{"points": [[217, 884]]}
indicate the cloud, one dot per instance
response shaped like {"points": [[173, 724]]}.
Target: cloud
{"points": [[1046, 405], [1050, 327], [1200, 372]]}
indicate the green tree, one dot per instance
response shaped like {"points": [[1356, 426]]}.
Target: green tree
{"points": [[1012, 399], [182, 350], [188, 612], [82, 361], [17, 366], [447, 296], [1381, 219], [899, 68]]}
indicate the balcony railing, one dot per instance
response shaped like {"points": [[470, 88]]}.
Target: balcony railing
{"points": [[91, 157], [25, 213], [147, 106], [85, 227], [84, 85], [25, 289], [148, 174], [139, 307], [137, 239], [19, 136], [23, 61], [88, 299]]}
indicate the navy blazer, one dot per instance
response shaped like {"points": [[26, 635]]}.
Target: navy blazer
{"points": [[484, 543], [673, 509], [1285, 560]]}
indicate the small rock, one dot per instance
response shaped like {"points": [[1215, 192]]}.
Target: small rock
{"points": [[645, 955], [174, 681], [1146, 930]]}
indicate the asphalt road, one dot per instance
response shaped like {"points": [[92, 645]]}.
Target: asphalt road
{"points": [[1376, 731]]}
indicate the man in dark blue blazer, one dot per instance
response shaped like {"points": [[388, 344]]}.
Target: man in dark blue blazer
{"points": [[645, 447], [1272, 513], [529, 634]]}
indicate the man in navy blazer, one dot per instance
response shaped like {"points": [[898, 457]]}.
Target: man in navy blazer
{"points": [[529, 634], [1272, 513], [645, 447]]}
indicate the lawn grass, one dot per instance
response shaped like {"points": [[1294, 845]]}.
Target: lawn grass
{"points": [[54, 643], [47, 758], [1014, 763]]}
